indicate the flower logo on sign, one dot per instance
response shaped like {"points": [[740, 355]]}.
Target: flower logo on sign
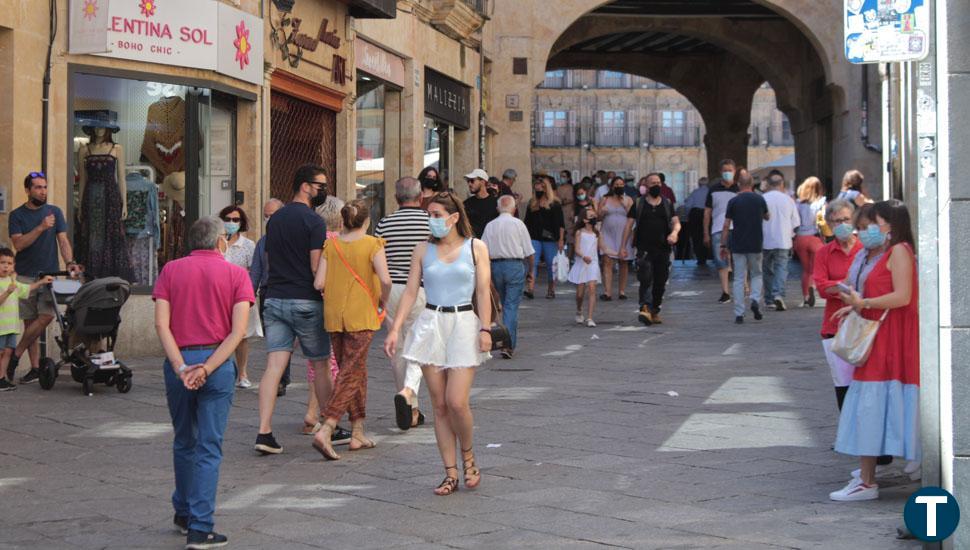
{"points": [[90, 9], [147, 7], [242, 44]]}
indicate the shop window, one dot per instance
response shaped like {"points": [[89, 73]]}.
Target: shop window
{"points": [[162, 152], [370, 151]]}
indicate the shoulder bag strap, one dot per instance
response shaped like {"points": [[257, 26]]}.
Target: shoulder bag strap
{"points": [[381, 314]]}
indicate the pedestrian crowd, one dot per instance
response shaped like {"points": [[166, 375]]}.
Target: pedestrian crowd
{"points": [[446, 278]]}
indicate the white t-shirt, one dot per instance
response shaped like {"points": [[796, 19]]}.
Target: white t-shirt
{"points": [[779, 229]]}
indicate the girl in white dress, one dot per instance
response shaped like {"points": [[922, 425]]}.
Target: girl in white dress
{"points": [[585, 273]]}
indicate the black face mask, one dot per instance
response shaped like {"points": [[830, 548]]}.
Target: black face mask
{"points": [[540, 194], [37, 202], [618, 191], [320, 198], [429, 183], [654, 191]]}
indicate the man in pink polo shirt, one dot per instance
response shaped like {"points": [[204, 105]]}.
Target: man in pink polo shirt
{"points": [[201, 311]]}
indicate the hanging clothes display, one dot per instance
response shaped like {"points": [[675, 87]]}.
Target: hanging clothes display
{"points": [[100, 239], [175, 233], [143, 228]]}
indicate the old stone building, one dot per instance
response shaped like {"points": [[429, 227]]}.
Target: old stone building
{"points": [[588, 120]]}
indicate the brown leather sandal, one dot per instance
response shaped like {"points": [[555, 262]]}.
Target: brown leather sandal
{"points": [[471, 470], [449, 484]]}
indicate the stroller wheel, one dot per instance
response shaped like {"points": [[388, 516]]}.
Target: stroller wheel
{"points": [[48, 373], [87, 386], [123, 383]]}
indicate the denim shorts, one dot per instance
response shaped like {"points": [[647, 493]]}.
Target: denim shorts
{"points": [[289, 319], [8, 341], [719, 262]]}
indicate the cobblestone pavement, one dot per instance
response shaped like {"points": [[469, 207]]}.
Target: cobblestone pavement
{"points": [[694, 434]]}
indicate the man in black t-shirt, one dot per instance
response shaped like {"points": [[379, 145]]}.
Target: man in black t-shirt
{"points": [[480, 206], [745, 242], [655, 230]]}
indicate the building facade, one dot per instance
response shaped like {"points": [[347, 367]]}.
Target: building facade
{"points": [[588, 120]]}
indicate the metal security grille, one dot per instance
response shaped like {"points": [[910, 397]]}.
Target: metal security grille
{"points": [[300, 133]]}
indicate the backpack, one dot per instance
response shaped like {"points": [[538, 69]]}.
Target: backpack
{"points": [[668, 209]]}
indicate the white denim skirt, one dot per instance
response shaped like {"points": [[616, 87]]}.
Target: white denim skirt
{"points": [[445, 340]]}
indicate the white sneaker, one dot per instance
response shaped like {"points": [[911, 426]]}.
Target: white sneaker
{"points": [[244, 384], [881, 471], [914, 469], [855, 491], [590, 323], [579, 319]]}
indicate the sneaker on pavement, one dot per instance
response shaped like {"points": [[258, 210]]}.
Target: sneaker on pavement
{"points": [[197, 540], [914, 469], [267, 445], [6, 385], [181, 523], [340, 436], [244, 384], [506, 353], [645, 316], [590, 323], [724, 299], [780, 305], [12, 367], [855, 491], [756, 309], [881, 471], [655, 314], [579, 319], [739, 320], [31, 376]]}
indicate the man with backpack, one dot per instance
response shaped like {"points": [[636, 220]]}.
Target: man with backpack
{"points": [[654, 228]]}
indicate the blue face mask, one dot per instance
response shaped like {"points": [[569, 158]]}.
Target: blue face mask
{"points": [[727, 176], [439, 227], [843, 231], [231, 228], [872, 237]]}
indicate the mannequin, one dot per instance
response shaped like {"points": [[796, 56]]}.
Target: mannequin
{"points": [[102, 144]]}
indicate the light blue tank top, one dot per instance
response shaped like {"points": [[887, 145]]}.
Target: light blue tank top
{"points": [[449, 284]]}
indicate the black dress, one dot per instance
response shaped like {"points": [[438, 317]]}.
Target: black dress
{"points": [[100, 239]]}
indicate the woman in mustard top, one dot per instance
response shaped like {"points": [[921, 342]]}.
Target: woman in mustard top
{"points": [[353, 276]]}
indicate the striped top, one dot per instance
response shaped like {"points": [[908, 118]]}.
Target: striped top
{"points": [[10, 309], [402, 231]]}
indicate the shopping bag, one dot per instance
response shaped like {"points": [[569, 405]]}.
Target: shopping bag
{"points": [[561, 265]]}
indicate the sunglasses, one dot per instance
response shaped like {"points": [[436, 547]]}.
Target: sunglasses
{"points": [[236, 219], [33, 175]]}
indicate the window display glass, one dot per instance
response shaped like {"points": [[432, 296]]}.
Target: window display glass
{"points": [[370, 151], [148, 159]]}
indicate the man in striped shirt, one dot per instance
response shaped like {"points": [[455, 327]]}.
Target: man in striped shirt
{"points": [[402, 231]]}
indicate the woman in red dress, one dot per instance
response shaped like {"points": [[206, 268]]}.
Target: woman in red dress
{"points": [[880, 415]]}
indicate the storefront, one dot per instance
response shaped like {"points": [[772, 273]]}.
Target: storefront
{"points": [[381, 76], [447, 110]]}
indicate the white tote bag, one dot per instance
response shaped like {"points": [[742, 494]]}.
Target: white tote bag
{"points": [[561, 264], [855, 336]]}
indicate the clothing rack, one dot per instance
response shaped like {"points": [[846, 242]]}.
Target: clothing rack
{"points": [[144, 169]]}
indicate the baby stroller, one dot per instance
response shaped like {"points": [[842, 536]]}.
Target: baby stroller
{"points": [[93, 314]]}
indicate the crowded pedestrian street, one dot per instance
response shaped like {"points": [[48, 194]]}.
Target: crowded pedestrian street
{"points": [[697, 433]]}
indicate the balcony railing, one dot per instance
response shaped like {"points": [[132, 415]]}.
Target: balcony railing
{"points": [[678, 136], [616, 136], [556, 137]]}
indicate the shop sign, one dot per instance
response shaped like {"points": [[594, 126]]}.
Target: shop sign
{"points": [[201, 34], [886, 31], [446, 99], [379, 62]]}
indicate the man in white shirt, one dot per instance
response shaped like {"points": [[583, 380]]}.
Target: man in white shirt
{"points": [[511, 252], [779, 231]]}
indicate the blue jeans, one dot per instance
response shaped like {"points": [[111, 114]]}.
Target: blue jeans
{"points": [[716, 243], [509, 279], [199, 418], [546, 251], [776, 272], [303, 319], [742, 264]]}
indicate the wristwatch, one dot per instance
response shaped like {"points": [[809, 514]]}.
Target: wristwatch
{"points": [[182, 369]]}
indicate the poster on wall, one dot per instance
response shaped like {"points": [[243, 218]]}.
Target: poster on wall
{"points": [[886, 31], [88, 21]]}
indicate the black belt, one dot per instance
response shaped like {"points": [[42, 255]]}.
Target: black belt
{"points": [[205, 347], [508, 259], [450, 309]]}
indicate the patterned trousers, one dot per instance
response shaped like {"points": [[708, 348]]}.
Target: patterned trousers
{"points": [[350, 395]]}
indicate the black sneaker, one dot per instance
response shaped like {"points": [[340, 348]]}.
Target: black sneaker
{"points": [[181, 523], [12, 366], [724, 299], [340, 436], [780, 305], [6, 385], [507, 353], [280, 390], [31, 376], [756, 309], [197, 540], [267, 445], [739, 320]]}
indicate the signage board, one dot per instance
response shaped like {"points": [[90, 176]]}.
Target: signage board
{"points": [[379, 62], [446, 99], [886, 31], [201, 34]]}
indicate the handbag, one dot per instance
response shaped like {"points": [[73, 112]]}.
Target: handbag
{"points": [[561, 263], [853, 341], [501, 337], [381, 313]]}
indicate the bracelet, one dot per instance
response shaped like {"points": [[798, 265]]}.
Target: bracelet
{"points": [[485, 330], [182, 369]]}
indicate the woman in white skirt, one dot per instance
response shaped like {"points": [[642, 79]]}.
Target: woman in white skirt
{"points": [[240, 251], [448, 339]]}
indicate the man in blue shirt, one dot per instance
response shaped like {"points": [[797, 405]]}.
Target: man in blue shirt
{"points": [[744, 241], [37, 230]]}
